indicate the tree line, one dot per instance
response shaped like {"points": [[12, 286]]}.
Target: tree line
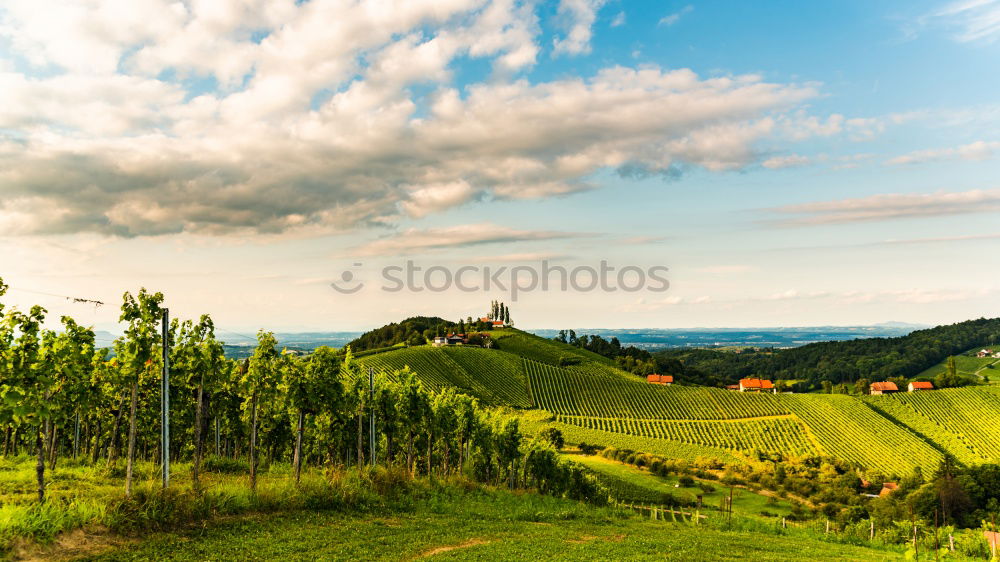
{"points": [[630, 358], [60, 395], [836, 363]]}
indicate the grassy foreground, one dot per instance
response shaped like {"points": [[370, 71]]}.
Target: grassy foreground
{"points": [[453, 523]]}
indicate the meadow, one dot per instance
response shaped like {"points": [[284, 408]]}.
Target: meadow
{"points": [[453, 523]]}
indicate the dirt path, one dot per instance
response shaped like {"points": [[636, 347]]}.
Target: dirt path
{"points": [[443, 549]]}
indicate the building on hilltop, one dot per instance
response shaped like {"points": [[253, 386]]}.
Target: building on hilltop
{"points": [[986, 353], [456, 339], [757, 385], [660, 379], [919, 385], [879, 388], [440, 341]]}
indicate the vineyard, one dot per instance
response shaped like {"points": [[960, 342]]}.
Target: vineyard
{"points": [[592, 401], [940, 436], [969, 414], [542, 350], [847, 428], [532, 422], [497, 372], [597, 393], [784, 435], [432, 366]]}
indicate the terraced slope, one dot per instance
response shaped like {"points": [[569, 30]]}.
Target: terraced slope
{"points": [[592, 393], [542, 350], [847, 428], [972, 415], [784, 435], [499, 373], [939, 436]]}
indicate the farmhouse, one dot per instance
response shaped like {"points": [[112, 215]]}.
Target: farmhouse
{"points": [[920, 385], [660, 379], [985, 353], [494, 323], [440, 341], [879, 388], [456, 339], [888, 488], [732, 387], [756, 385]]}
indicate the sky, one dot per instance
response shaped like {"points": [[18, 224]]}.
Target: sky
{"points": [[784, 163]]}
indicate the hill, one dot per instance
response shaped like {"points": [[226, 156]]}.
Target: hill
{"points": [[836, 362], [590, 400]]}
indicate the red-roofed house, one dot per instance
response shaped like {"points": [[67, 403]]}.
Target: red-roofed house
{"points": [[920, 385], [984, 353], [660, 379], [878, 388], [756, 385], [888, 488], [732, 387]]}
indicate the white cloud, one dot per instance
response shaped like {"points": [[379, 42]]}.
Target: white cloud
{"points": [[890, 206], [432, 198], [578, 18], [971, 20], [789, 161], [243, 116], [671, 19], [416, 240], [619, 19], [979, 150]]}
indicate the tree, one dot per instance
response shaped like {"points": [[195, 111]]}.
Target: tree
{"points": [[138, 348], [200, 361], [67, 358], [413, 404], [862, 386], [312, 386], [258, 380], [553, 436], [26, 387]]}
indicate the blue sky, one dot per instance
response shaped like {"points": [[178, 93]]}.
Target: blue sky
{"points": [[792, 163]]}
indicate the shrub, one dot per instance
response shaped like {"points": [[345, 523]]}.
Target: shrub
{"points": [[686, 481], [225, 465]]}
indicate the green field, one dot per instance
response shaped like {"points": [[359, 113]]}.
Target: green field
{"points": [[591, 401], [967, 364], [631, 484], [485, 525]]}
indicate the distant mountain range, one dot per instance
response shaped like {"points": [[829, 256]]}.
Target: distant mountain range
{"points": [[649, 338], [781, 337]]}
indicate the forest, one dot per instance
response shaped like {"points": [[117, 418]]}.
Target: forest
{"points": [[842, 362]]}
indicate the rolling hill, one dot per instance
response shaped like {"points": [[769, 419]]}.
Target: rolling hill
{"points": [[589, 400]]}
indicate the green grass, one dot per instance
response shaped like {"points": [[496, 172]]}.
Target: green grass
{"points": [[632, 484], [451, 524], [967, 364]]}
